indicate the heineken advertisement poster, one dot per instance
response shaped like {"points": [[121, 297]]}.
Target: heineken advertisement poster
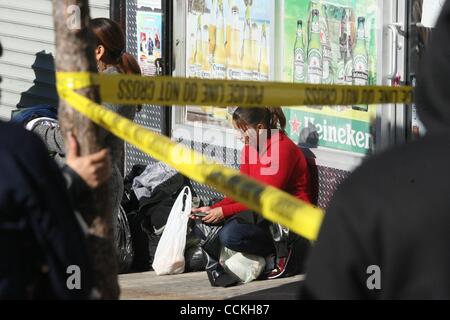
{"points": [[149, 31], [332, 43], [227, 39]]}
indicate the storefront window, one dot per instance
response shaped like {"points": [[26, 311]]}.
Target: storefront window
{"points": [[331, 43], [323, 42], [227, 39]]}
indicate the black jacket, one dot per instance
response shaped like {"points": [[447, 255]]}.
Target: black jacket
{"points": [[39, 234], [394, 211]]}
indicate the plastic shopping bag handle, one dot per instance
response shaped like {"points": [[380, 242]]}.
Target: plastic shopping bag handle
{"points": [[186, 196]]}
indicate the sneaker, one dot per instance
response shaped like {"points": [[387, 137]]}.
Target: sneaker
{"points": [[280, 267]]}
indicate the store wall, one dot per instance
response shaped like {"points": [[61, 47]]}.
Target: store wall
{"points": [[149, 117], [27, 62]]}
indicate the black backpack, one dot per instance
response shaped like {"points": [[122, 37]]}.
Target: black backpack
{"points": [[148, 216]]}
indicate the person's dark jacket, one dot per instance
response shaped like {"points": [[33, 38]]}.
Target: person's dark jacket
{"points": [[394, 211], [40, 237], [53, 139]]}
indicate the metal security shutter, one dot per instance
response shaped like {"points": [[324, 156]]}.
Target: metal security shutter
{"points": [[27, 64]]}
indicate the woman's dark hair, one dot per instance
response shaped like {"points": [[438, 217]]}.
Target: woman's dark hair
{"points": [[271, 118], [109, 34]]}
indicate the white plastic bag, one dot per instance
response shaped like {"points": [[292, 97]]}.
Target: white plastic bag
{"points": [[246, 267], [225, 254], [169, 255]]}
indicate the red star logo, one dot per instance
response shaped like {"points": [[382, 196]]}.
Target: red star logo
{"points": [[295, 126]]}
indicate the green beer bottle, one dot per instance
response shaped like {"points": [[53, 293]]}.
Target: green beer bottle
{"points": [[340, 64], [327, 76], [315, 62], [360, 61], [299, 55], [348, 69]]}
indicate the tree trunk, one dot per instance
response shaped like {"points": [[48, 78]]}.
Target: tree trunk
{"points": [[75, 53]]}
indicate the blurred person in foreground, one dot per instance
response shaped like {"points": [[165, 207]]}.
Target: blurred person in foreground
{"points": [[386, 234], [41, 236]]}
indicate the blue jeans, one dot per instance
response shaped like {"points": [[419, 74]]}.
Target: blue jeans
{"points": [[248, 238]]}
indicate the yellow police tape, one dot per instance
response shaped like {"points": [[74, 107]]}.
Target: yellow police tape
{"points": [[168, 91], [275, 205]]}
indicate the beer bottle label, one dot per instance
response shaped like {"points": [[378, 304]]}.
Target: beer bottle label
{"points": [[199, 71], [327, 57], [193, 70], [360, 72], [315, 71], [299, 65], [360, 77], [247, 75], [263, 77], [340, 73], [234, 74], [220, 71]]}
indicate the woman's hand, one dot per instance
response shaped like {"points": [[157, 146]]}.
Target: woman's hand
{"points": [[199, 210], [215, 216], [94, 169]]}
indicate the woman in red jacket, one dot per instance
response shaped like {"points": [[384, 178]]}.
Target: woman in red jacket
{"points": [[271, 157]]}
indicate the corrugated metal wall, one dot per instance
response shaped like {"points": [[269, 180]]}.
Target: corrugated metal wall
{"points": [[26, 65]]}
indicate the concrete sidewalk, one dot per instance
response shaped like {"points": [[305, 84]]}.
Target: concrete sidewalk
{"points": [[195, 286]]}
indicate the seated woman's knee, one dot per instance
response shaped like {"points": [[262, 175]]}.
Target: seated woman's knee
{"points": [[229, 238]]}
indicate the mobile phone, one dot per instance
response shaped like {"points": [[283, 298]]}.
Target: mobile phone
{"points": [[200, 214]]}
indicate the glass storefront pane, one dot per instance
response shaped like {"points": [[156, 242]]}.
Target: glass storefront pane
{"points": [[227, 39], [332, 42]]}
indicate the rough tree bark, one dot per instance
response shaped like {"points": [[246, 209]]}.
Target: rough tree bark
{"points": [[75, 52]]}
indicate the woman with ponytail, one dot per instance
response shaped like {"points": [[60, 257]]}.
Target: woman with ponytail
{"points": [[110, 51], [111, 58], [271, 157]]}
